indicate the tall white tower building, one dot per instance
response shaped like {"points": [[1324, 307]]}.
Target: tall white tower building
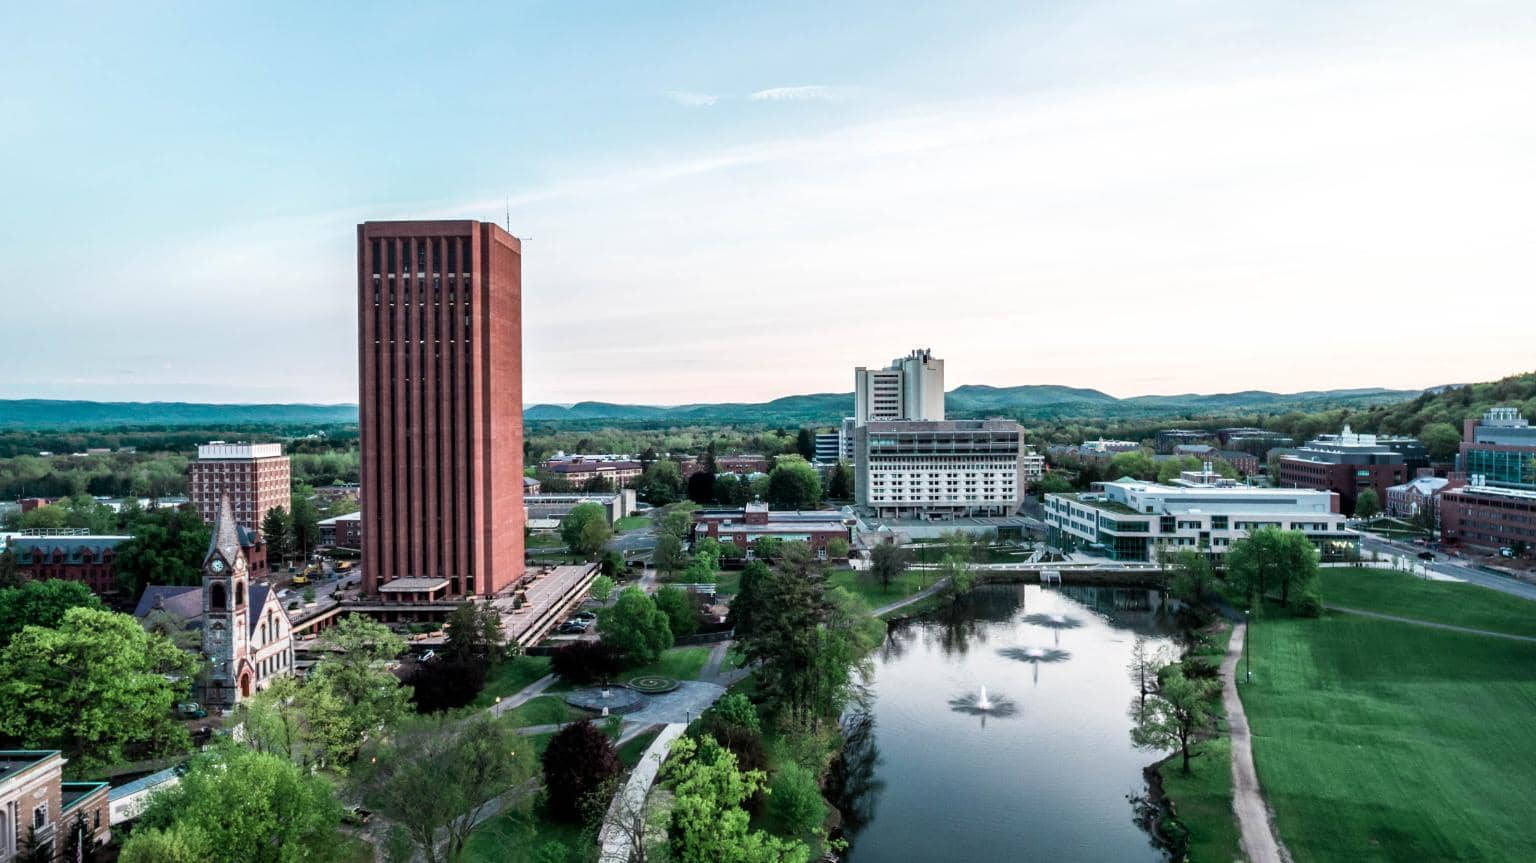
{"points": [[910, 388]]}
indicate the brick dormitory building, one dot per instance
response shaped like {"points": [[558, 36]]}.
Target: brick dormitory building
{"points": [[1347, 464]]}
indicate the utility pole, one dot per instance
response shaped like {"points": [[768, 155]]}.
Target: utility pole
{"points": [[1247, 637]]}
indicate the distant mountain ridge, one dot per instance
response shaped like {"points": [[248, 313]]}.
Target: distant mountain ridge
{"points": [[1031, 401]]}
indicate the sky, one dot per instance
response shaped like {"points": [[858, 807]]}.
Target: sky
{"points": [[738, 201]]}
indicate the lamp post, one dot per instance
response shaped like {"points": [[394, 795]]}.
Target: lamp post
{"points": [[1247, 637]]}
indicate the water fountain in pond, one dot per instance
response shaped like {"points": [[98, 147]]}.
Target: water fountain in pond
{"points": [[1054, 622], [1034, 656], [983, 705]]}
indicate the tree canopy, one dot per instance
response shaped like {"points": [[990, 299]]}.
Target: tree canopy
{"points": [[585, 529], [1273, 559], [635, 626], [41, 603], [167, 548], [794, 484], [708, 823]]}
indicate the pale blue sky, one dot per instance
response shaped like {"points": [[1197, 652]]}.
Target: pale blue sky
{"points": [[739, 201]]}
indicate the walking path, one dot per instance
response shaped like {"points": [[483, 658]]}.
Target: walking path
{"points": [[1431, 624], [522, 696], [716, 659], [916, 597], [626, 812], [1258, 835]]}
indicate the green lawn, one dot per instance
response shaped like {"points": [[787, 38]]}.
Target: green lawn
{"points": [[515, 835], [728, 582], [1203, 801], [511, 675], [543, 710], [874, 593], [678, 663], [1377, 740], [630, 751], [1438, 601], [631, 522], [544, 540]]}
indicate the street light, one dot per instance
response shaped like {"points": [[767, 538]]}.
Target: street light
{"points": [[1247, 637]]}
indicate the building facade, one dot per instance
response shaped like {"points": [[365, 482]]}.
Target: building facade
{"points": [[1168, 441], [84, 558], [742, 527], [1146, 521], [1489, 518], [342, 530], [1419, 497], [555, 506], [246, 631], [1347, 464], [1032, 465], [828, 447], [38, 806], [440, 402], [615, 474], [939, 470], [256, 477], [1499, 450], [910, 388]]}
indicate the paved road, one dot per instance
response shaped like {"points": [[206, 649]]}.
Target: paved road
{"points": [[643, 539], [1454, 568], [1431, 624], [1258, 835]]}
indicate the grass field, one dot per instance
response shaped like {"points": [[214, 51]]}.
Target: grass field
{"points": [[728, 582], [1438, 601], [630, 751], [1377, 740], [1203, 801], [543, 710], [678, 663], [631, 522], [872, 591], [523, 834], [511, 675]]}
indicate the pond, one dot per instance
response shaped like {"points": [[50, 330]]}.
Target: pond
{"points": [[1038, 770]]}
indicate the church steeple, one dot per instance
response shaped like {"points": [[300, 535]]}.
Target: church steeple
{"points": [[225, 616]]}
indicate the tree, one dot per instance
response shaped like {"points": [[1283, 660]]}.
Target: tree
{"points": [[233, 800], [1137, 464], [437, 778], [701, 487], [794, 484], [635, 626], [887, 561], [445, 683], [10, 574], [1052, 483], [1441, 440], [586, 662], [1271, 558], [602, 586], [93, 686], [1143, 671], [660, 483], [277, 530], [304, 523], [708, 823], [1176, 715], [732, 719], [579, 763], [668, 555], [585, 529], [677, 520], [749, 597], [681, 610], [837, 548], [1192, 579], [80, 845], [840, 482], [794, 799], [41, 603], [955, 566], [167, 547], [767, 547], [805, 444], [356, 695], [474, 634], [1367, 504]]}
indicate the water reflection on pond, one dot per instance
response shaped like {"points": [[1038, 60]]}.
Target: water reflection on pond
{"points": [[924, 780]]}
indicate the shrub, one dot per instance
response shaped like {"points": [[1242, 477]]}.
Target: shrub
{"points": [[580, 760], [586, 662], [1310, 604], [1200, 668], [794, 799], [681, 609]]}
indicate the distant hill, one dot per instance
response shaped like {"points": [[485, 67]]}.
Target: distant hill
{"points": [[1032, 402], [51, 413]]}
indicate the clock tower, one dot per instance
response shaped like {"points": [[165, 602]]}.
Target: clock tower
{"points": [[226, 616]]}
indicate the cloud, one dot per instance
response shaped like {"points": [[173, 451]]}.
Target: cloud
{"points": [[807, 93], [690, 99]]}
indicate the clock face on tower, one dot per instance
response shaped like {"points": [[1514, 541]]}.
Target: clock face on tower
{"points": [[217, 566]]}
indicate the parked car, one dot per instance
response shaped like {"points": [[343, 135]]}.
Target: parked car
{"points": [[428, 655], [1426, 555], [190, 710], [589, 616], [574, 627]]}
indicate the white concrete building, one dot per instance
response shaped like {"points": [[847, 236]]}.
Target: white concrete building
{"points": [[910, 388], [1145, 521], [1032, 464], [938, 470]]}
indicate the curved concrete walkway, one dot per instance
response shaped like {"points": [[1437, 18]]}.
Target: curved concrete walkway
{"points": [[1253, 824], [1449, 627], [916, 597]]}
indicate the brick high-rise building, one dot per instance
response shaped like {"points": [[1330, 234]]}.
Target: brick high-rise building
{"points": [[440, 361], [256, 477]]}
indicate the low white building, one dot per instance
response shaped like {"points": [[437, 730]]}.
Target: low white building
{"points": [[1144, 521]]}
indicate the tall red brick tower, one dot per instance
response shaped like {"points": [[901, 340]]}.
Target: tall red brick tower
{"points": [[440, 402]]}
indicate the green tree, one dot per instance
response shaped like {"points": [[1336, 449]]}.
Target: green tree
{"points": [[235, 798], [1052, 483], [585, 529], [474, 633], [837, 548], [668, 555], [681, 611], [887, 561], [733, 716], [167, 547], [611, 564], [1176, 715], [794, 484], [1367, 504], [749, 597], [767, 547], [635, 626], [1191, 578], [1273, 559], [677, 520], [93, 686], [708, 823], [661, 483], [805, 444], [601, 589], [794, 799], [277, 530], [305, 523], [1441, 440], [1137, 464], [355, 694], [10, 573], [438, 778], [41, 603], [840, 482]]}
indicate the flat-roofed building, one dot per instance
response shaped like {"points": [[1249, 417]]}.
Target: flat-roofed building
{"points": [[910, 388], [742, 527], [556, 506], [1147, 521], [1489, 517], [38, 805], [1499, 450], [1347, 463], [940, 470], [256, 477], [343, 530]]}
